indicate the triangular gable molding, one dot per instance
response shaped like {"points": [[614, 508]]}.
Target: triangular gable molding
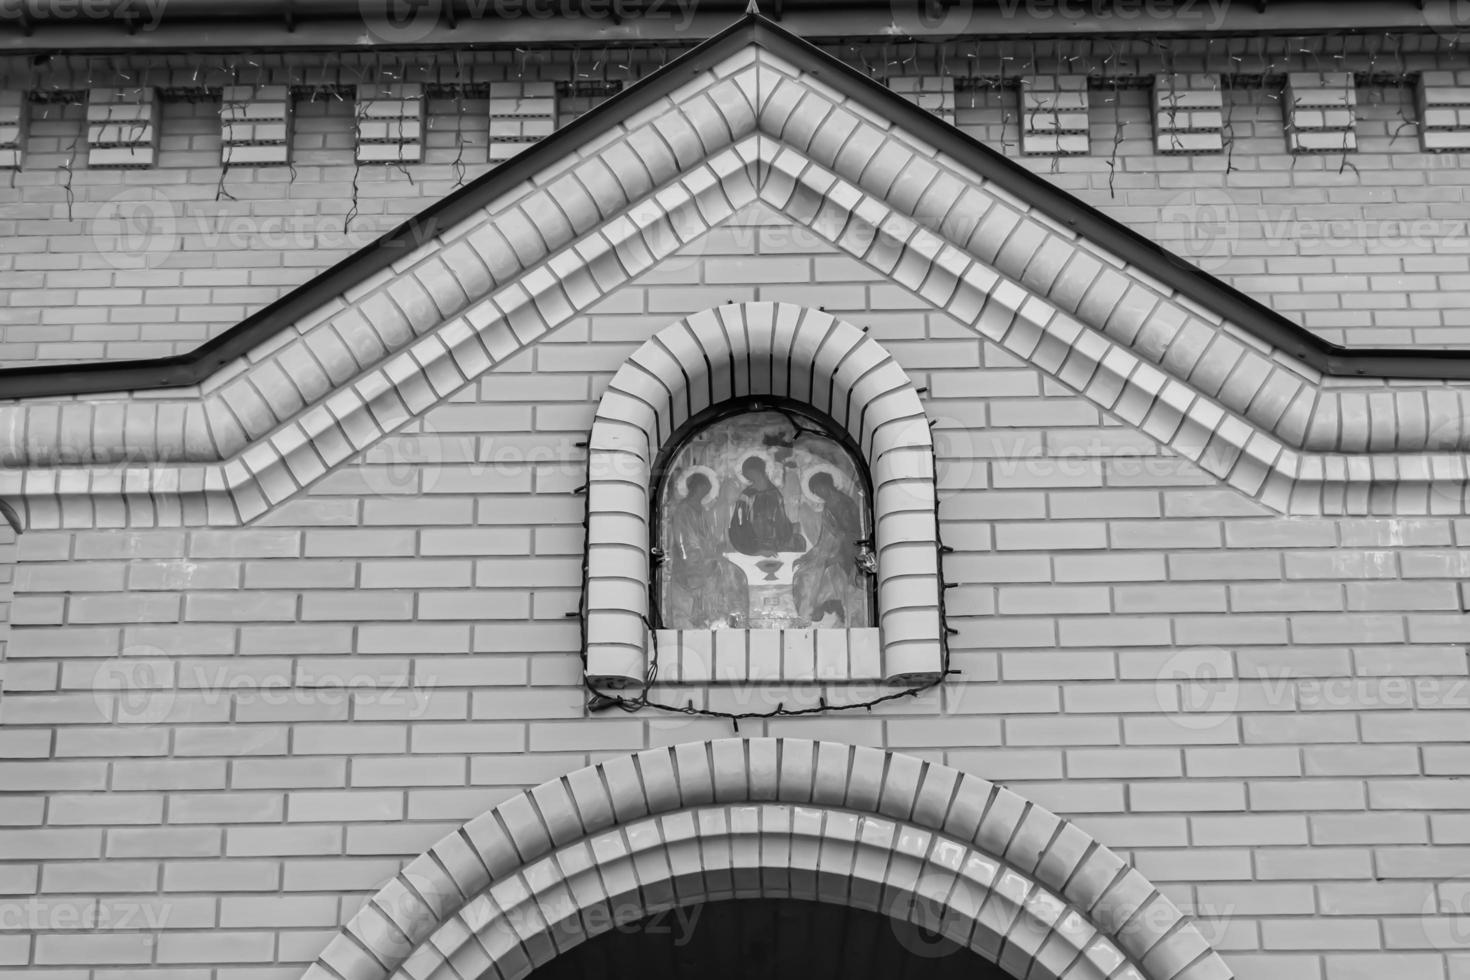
{"points": [[754, 127]]}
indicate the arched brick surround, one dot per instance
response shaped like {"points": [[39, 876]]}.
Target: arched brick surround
{"points": [[755, 127], [548, 869], [760, 349]]}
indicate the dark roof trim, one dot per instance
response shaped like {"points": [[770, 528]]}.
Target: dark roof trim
{"points": [[1206, 290], [128, 27]]}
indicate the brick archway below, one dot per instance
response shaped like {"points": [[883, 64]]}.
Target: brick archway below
{"points": [[768, 818]]}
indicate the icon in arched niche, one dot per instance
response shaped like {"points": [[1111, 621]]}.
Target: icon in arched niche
{"points": [[763, 522]]}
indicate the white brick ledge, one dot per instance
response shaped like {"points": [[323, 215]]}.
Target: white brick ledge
{"points": [[752, 349], [746, 818], [768, 656], [389, 349]]}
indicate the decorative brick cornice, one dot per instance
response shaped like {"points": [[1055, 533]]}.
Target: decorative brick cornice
{"points": [[753, 127], [747, 818], [751, 349]]}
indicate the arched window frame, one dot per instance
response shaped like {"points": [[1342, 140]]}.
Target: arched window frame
{"points": [[734, 408], [725, 354]]}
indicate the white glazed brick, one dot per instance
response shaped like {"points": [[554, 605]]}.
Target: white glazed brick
{"points": [[122, 127], [686, 367], [1053, 115], [255, 125], [14, 120], [1444, 112], [1188, 111], [390, 122], [932, 92], [1320, 112], [521, 113]]}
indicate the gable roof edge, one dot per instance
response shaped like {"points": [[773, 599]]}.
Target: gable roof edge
{"points": [[195, 366]]}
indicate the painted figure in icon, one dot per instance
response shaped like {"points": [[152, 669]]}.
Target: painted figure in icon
{"points": [[760, 525], [828, 575], [706, 586]]}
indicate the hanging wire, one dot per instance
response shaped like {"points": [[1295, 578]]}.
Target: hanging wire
{"points": [[460, 93], [1117, 121], [1226, 82], [233, 109]]}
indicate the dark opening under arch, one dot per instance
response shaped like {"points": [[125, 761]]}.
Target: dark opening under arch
{"points": [[768, 939]]}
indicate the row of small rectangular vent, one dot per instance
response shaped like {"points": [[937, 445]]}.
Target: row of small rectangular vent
{"points": [[256, 121], [1189, 114]]}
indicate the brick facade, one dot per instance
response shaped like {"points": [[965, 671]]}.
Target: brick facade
{"points": [[225, 730]]}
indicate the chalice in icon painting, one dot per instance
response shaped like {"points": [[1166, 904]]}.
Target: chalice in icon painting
{"points": [[769, 566]]}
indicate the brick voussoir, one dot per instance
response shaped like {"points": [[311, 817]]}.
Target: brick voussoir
{"points": [[688, 801]]}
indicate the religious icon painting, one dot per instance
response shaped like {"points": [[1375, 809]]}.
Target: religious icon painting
{"points": [[764, 524]]}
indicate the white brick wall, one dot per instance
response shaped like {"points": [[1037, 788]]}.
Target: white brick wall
{"points": [[255, 125], [1262, 713], [122, 127], [234, 735], [390, 122]]}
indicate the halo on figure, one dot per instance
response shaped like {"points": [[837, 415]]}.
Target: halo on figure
{"points": [[838, 480], [714, 483], [773, 468]]}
